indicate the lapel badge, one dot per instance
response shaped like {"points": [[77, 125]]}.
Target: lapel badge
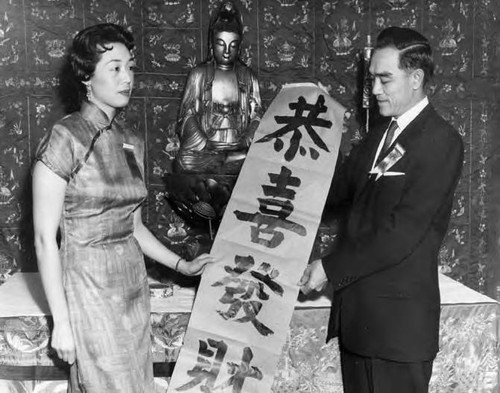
{"points": [[396, 153], [128, 146]]}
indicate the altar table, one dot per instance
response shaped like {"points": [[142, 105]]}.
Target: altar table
{"points": [[468, 360]]}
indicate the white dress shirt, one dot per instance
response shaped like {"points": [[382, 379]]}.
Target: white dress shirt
{"points": [[403, 121]]}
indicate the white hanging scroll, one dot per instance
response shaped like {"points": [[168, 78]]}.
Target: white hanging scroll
{"points": [[244, 304]]}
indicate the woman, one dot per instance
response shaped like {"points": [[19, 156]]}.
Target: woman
{"points": [[88, 182]]}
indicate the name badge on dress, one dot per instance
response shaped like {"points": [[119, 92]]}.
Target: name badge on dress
{"points": [[131, 161]]}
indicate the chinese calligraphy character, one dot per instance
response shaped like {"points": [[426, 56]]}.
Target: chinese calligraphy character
{"points": [[294, 122], [239, 291], [273, 213], [241, 372], [206, 372]]}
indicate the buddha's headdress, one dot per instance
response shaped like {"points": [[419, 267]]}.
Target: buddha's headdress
{"points": [[226, 18]]}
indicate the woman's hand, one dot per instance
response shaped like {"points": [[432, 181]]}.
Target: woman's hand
{"points": [[196, 266], [63, 342]]}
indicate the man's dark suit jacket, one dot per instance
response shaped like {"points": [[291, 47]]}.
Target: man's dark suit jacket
{"points": [[384, 269]]}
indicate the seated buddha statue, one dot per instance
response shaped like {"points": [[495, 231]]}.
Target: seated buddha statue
{"points": [[221, 106]]}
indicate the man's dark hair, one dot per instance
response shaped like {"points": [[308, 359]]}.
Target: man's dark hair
{"points": [[415, 50]]}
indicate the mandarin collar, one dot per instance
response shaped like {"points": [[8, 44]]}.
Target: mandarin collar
{"points": [[92, 113]]}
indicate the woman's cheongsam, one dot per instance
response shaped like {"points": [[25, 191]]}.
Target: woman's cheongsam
{"points": [[104, 275]]}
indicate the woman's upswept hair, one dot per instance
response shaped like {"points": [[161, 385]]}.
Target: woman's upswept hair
{"points": [[82, 57], [90, 43], [415, 50]]}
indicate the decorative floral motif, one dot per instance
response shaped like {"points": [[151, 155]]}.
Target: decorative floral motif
{"points": [[451, 37], [7, 269], [286, 52], [283, 42], [56, 48], [7, 186], [341, 36], [481, 217], [176, 51], [467, 361], [167, 332], [170, 13]]}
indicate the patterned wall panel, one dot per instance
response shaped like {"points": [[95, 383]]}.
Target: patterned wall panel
{"points": [[12, 36], [172, 51], [284, 41], [342, 32], [287, 42], [162, 142], [455, 252]]}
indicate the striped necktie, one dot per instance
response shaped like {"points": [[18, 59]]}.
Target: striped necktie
{"points": [[388, 139]]}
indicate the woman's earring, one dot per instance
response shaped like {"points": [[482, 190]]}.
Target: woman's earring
{"points": [[88, 86]]}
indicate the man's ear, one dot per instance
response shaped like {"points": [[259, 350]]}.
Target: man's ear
{"points": [[417, 78]]}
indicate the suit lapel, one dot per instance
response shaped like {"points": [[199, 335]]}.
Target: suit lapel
{"points": [[415, 128], [412, 131], [372, 143]]}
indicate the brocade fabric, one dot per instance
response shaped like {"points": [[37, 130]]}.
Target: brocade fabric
{"points": [[104, 275], [467, 360]]}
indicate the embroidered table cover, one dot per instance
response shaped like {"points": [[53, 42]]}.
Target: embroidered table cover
{"points": [[467, 362]]}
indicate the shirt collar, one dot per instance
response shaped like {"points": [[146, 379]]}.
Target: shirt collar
{"points": [[403, 120], [407, 117], [92, 113]]}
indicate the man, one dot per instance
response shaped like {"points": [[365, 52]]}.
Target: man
{"points": [[397, 203]]}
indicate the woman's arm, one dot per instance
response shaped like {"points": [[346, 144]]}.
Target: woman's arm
{"points": [[154, 249], [48, 199]]}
